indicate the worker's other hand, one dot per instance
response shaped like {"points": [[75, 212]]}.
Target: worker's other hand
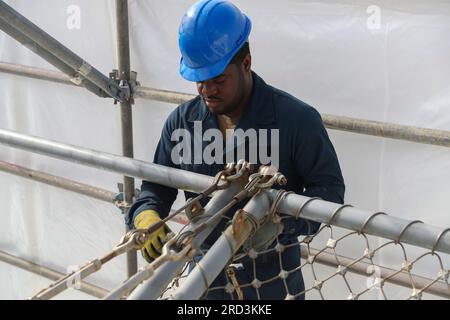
{"points": [[152, 248]]}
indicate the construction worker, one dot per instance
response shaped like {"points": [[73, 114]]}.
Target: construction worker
{"points": [[215, 54]]}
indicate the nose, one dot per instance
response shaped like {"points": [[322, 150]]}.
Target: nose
{"points": [[208, 89]]}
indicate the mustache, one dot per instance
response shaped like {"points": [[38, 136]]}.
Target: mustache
{"points": [[212, 98]]}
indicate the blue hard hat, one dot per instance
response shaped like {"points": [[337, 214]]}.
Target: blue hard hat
{"points": [[210, 34]]}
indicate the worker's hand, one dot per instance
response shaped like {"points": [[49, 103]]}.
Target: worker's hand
{"points": [[152, 249]]}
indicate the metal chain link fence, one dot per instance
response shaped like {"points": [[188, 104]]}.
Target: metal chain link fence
{"points": [[338, 264], [258, 255]]}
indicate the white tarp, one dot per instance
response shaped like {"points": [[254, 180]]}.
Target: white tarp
{"points": [[378, 60]]}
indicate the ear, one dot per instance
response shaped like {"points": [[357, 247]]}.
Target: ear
{"points": [[247, 63]]}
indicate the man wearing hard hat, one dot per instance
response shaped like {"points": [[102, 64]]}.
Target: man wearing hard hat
{"points": [[215, 54]]}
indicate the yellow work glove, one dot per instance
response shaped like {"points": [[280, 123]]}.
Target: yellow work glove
{"points": [[152, 249]]}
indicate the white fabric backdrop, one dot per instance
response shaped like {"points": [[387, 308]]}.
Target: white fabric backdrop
{"points": [[323, 52]]}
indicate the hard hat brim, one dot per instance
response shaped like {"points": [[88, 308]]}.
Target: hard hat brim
{"points": [[211, 71]]}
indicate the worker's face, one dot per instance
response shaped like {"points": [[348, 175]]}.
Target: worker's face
{"points": [[226, 92]]}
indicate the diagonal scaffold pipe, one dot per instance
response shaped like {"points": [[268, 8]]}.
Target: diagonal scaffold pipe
{"points": [[68, 76], [422, 235], [29, 34]]}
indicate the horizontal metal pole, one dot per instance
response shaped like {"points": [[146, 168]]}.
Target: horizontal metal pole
{"points": [[384, 226], [22, 25], [36, 73], [67, 77], [166, 176], [59, 182], [50, 274], [161, 95], [403, 279], [70, 185], [388, 130], [361, 126], [381, 225], [368, 127]]}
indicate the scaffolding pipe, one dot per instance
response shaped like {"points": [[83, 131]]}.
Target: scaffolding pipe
{"points": [[126, 116], [50, 274], [362, 268], [388, 227], [361, 126], [70, 185], [59, 182], [161, 95], [36, 73], [380, 225], [368, 127], [221, 253], [22, 25], [388, 130], [166, 176]]}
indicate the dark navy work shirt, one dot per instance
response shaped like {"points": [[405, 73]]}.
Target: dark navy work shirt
{"points": [[306, 155]]}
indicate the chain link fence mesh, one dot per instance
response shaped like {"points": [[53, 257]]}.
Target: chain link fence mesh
{"points": [[341, 264]]}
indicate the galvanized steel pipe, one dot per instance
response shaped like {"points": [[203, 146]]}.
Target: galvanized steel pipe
{"points": [[24, 26], [69, 75], [361, 126], [381, 225], [126, 115], [36, 73], [166, 176], [388, 130], [58, 182]]}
